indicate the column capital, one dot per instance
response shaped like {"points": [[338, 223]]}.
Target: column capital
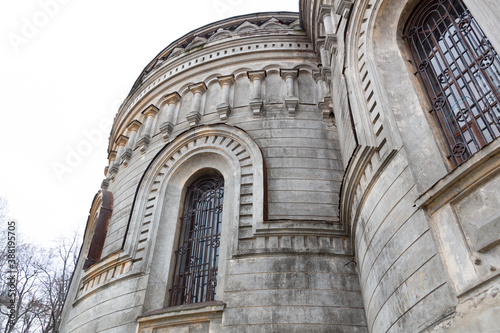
{"points": [[134, 125], [151, 110], [121, 140], [226, 80], [172, 98], [293, 73], [252, 75], [198, 88], [112, 155], [320, 42]]}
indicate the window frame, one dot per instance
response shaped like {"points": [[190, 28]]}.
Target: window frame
{"points": [[187, 263], [463, 122]]}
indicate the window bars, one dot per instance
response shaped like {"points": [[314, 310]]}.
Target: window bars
{"points": [[460, 71], [197, 256]]}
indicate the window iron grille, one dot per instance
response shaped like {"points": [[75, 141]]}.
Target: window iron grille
{"points": [[459, 69], [197, 255]]}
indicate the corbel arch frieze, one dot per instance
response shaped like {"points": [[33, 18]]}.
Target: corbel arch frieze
{"points": [[241, 72], [212, 78], [183, 91], [244, 168]]}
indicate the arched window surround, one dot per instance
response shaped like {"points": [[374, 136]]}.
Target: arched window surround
{"points": [[153, 223], [165, 240]]}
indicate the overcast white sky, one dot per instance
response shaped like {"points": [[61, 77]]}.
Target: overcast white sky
{"points": [[65, 67]]}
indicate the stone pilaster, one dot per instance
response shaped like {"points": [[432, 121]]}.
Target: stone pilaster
{"points": [[194, 115], [256, 103], [330, 24], [325, 16], [291, 101], [224, 109], [324, 96], [168, 126], [132, 128], [121, 141], [111, 160], [326, 70], [150, 112]]}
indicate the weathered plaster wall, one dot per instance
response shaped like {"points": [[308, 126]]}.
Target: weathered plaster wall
{"points": [[331, 156], [286, 259]]}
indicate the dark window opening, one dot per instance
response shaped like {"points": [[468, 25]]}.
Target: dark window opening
{"points": [[197, 255], [460, 71], [101, 229]]}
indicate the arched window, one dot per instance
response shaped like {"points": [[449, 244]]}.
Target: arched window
{"points": [[105, 200], [460, 71], [197, 255]]}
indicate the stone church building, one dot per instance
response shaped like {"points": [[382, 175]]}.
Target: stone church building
{"points": [[332, 170]]}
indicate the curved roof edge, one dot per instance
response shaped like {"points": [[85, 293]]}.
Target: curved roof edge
{"points": [[211, 28]]}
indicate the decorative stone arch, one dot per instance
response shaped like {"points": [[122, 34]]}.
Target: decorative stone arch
{"points": [[414, 129], [241, 72], [154, 220], [272, 69], [212, 78]]}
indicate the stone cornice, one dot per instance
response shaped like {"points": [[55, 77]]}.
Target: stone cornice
{"points": [[202, 59], [265, 22]]}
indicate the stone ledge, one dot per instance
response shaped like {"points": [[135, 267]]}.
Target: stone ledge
{"points": [[180, 315], [295, 244], [480, 167], [103, 272]]}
